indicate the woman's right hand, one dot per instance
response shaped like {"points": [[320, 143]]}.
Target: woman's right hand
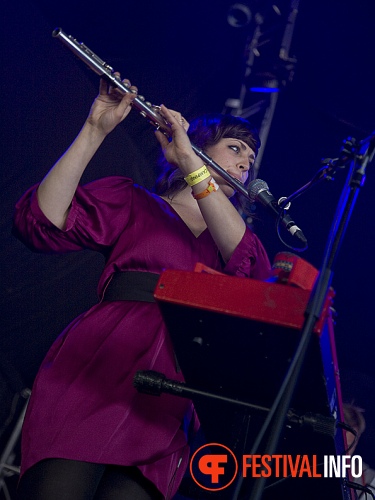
{"points": [[111, 106], [57, 189]]}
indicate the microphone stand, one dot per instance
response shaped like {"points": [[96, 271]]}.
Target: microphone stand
{"points": [[358, 159]]}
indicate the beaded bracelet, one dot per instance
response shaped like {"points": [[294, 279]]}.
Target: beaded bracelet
{"points": [[212, 187], [197, 176]]}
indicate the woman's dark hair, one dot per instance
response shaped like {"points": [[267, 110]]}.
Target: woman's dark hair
{"points": [[204, 132]]}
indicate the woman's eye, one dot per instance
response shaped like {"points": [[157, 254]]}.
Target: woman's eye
{"points": [[235, 148]]}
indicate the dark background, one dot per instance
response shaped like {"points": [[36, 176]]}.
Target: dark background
{"points": [[186, 55]]}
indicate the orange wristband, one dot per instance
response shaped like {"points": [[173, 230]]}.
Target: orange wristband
{"points": [[212, 187]]}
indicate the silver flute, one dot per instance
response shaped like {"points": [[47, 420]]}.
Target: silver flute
{"points": [[146, 109]]}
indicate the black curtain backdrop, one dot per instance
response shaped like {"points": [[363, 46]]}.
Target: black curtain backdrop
{"points": [[184, 54]]}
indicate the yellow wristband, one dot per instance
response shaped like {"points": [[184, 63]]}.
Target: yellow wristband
{"points": [[212, 187], [197, 176]]}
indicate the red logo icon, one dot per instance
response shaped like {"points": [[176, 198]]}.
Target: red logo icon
{"points": [[213, 467]]}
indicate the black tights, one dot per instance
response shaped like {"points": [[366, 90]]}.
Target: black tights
{"points": [[59, 479]]}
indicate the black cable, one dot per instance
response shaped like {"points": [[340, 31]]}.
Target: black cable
{"points": [[357, 486], [347, 427]]}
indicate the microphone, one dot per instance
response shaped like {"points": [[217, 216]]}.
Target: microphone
{"points": [[259, 191]]}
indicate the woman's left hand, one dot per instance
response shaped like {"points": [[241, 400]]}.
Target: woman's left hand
{"points": [[177, 150]]}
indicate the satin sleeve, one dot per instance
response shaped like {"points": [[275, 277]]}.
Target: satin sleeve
{"points": [[98, 214], [250, 259]]}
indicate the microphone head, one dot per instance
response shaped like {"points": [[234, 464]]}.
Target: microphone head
{"points": [[255, 187]]}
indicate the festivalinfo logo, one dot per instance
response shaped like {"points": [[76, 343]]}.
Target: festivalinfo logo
{"points": [[214, 466]]}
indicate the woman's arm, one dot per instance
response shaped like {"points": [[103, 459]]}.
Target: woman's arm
{"points": [[223, 220], [57, 189]]}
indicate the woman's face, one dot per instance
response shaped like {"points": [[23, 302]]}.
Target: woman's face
{"points": [[235, 157]]}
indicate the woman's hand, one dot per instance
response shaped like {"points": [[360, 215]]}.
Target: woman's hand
{"points": [[57, 189], [111, 106], [177, 150]]}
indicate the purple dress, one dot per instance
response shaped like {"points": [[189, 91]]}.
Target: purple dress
{"points": [[83, 404]]}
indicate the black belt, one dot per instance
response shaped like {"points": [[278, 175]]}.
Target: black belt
{"points": [[132, 285]]}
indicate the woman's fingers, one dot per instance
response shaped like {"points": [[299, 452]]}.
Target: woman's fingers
{"points": [[128, 85], [174, 117], [184, 123], [163, 140], [114, 91]]}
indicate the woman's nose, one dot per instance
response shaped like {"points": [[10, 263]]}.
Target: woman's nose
{"points": [[244, 166]]}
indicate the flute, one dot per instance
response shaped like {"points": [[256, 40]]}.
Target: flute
{"points": [[146, 109]]}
